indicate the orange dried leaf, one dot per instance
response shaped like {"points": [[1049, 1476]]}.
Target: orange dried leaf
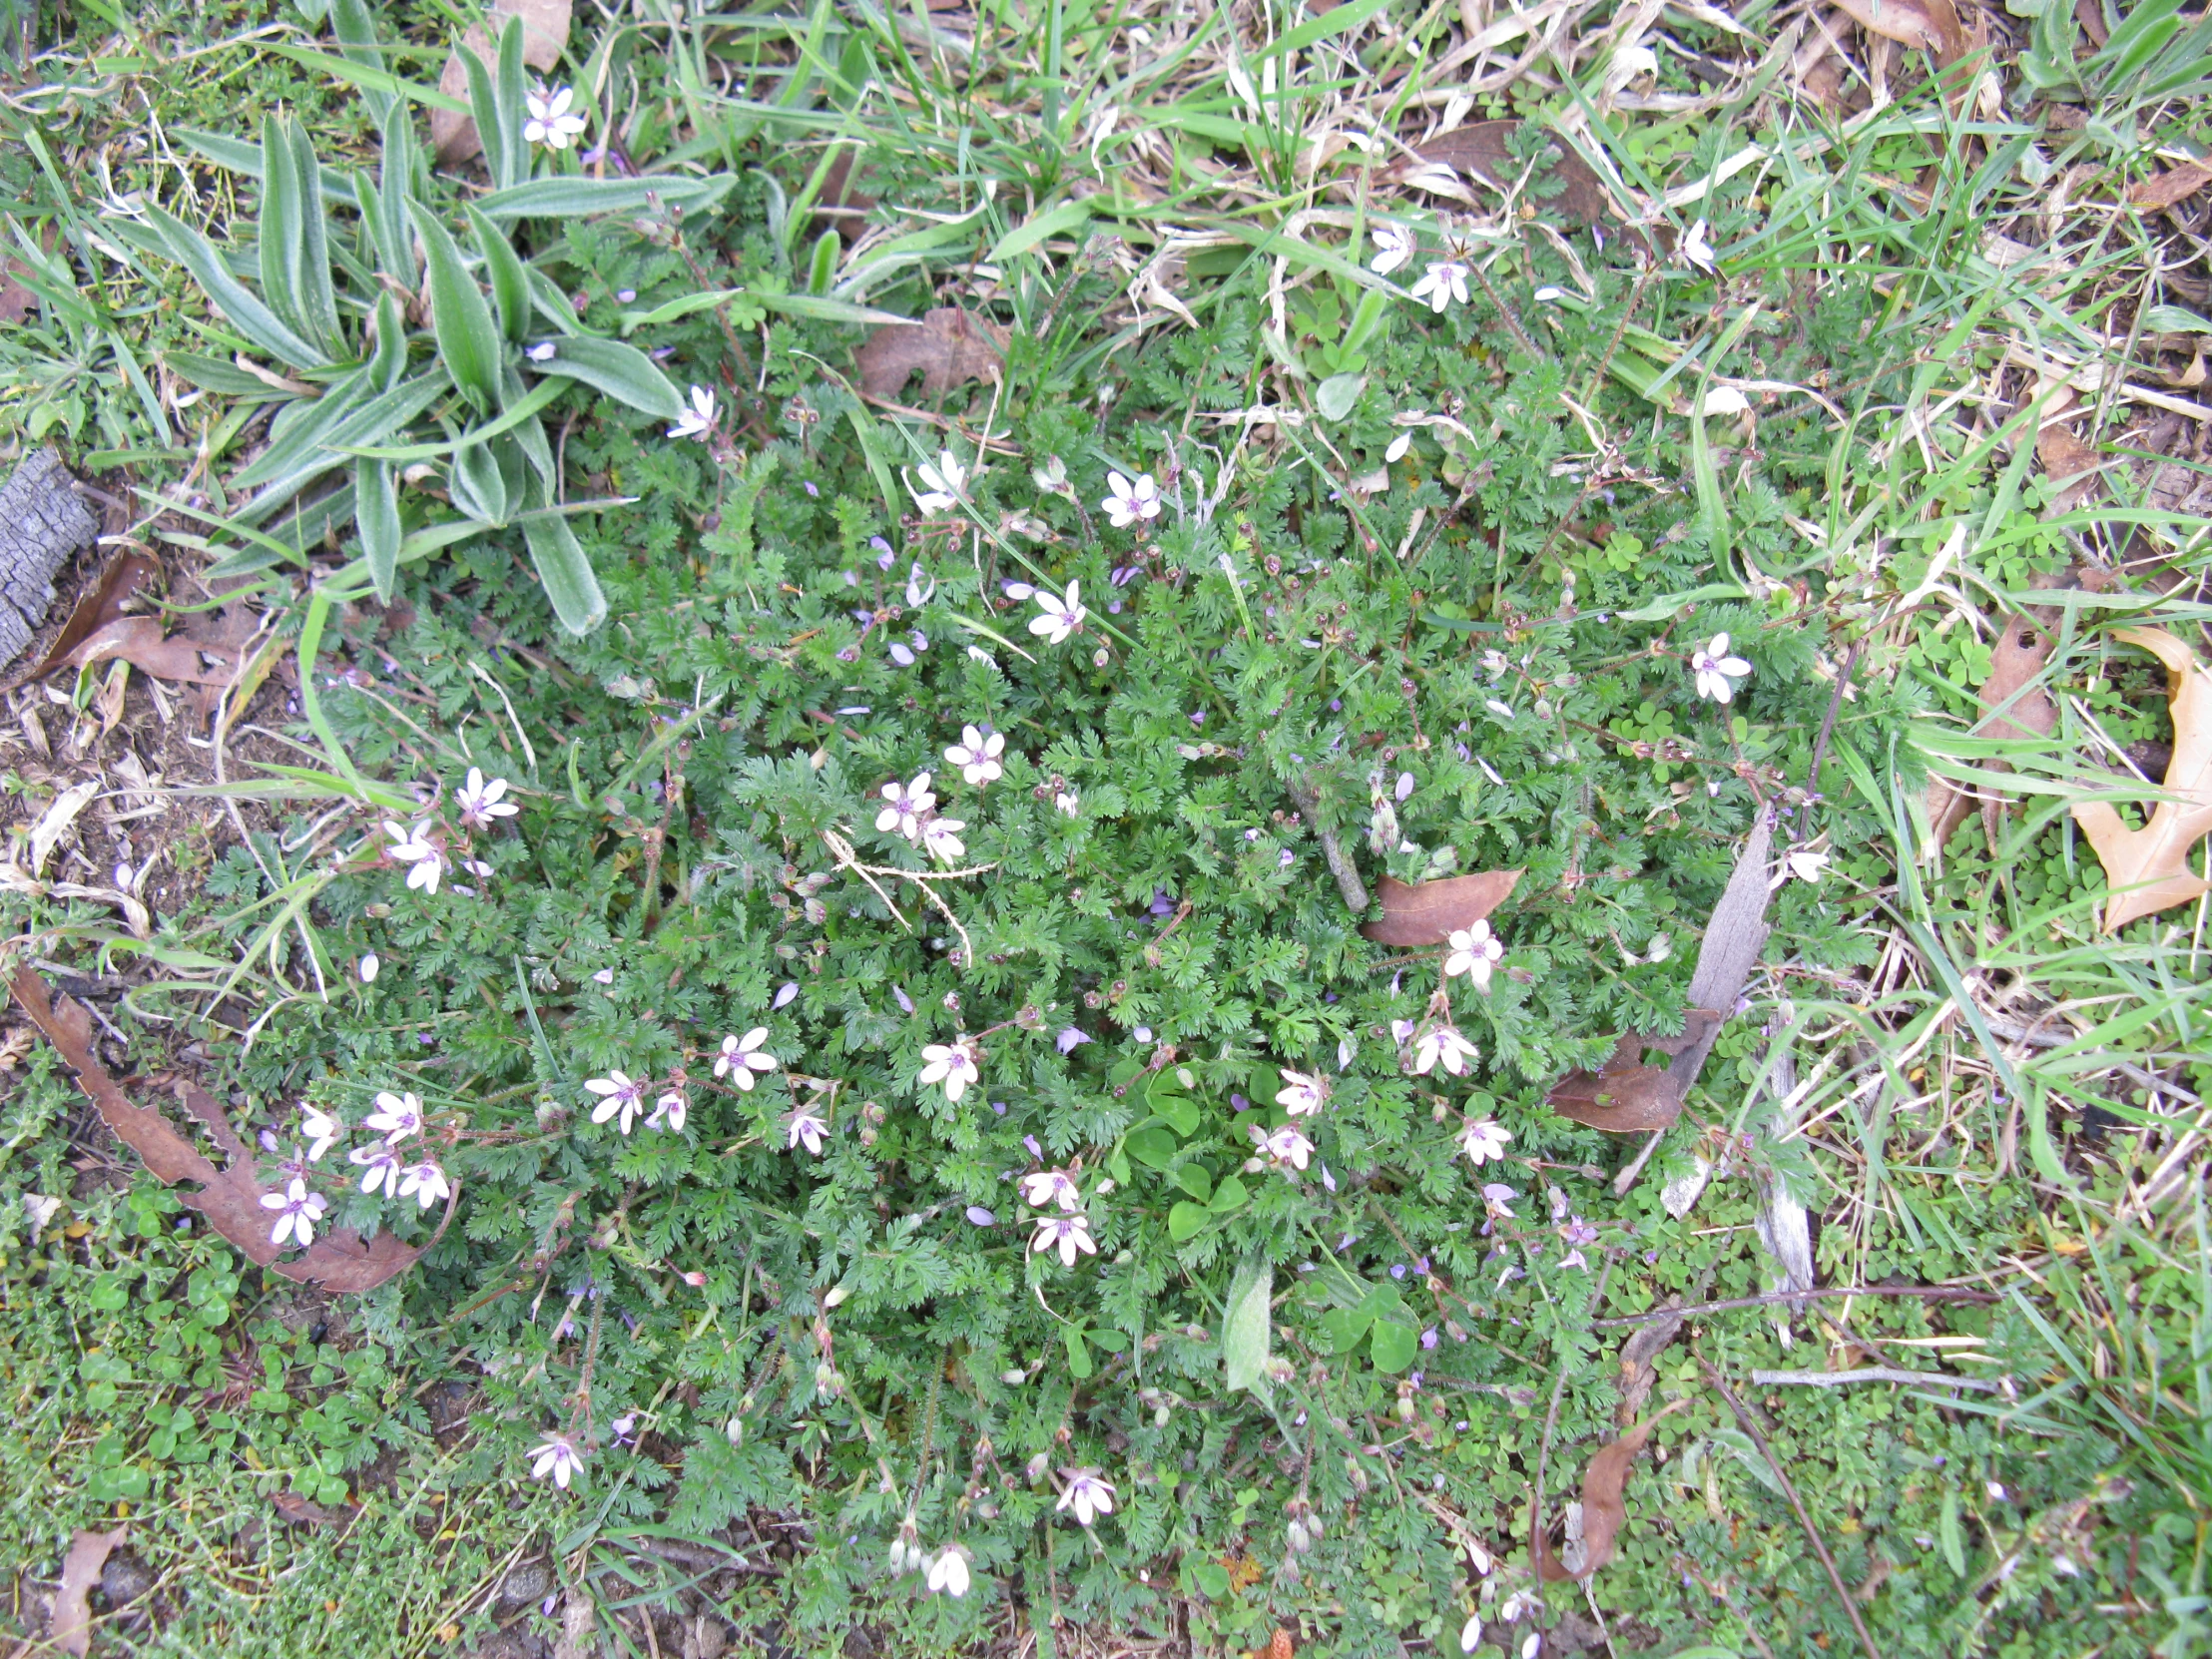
{"points": [[2176, 184], [949, 346], [70, 1625], [2147, 869], [1929, 24], [1430, 913], [2014, 708], [1604, 1503]]}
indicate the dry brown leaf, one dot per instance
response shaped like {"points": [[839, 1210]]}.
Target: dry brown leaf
{"points": [[2028, 712], [2176, 184], [16, 300], [230, 1198], [70, 1625], [137, 640], [2147, 869], [1604, 1503], [1626, 1096], [1430, 913], [1482, 148], [127, 576], [544, 35], [1929, 24], [949, 346]]}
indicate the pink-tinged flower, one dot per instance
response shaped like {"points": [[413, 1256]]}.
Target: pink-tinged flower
{"points": [[383, 1165], [396, 1117], [1696, 250], [671, 1111], [1287, 1146], [1302, 1093], [617, 1093], [786, 993], [1717, 672], [426, 1180], [805, 1127], [1441, 285], [741, 1057], [1067, 1234], [1499, 1198], [413, 848], [907, 805], [1474, 951], [1130, 503], [556, 1460], [1087, 1494], [321, 1129], [1482, 1140], [976, 755], [1394, 247], [1064, 800], [698, 419], [1061, 616], [1442, 1045], [479, 801], [952, 1064], [1803, 865], [1070, 1039], [297, 1210], [940, 838], [1048, 1186], [551, 122]]}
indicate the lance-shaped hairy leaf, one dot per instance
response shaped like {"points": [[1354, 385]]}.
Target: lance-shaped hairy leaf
{"points": [[377, 516], [231, 298], [573, 197], [387, 217], [1244, 1327], [388, 358], [495, 99], [503, 270], [355, 26], [622, 372], [566, 571], [299, 431], [479, 483], [468, 338], [295, 260]]}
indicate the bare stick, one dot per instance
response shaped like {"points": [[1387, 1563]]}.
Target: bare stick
{"points": [[1340, 865], [1938, 1293], [1812, 1534], [1871, 1373]]}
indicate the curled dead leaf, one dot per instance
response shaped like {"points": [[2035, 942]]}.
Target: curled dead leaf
{"points": [[1483, 149], [2164, 190], [1625, 1096], [1928, 25], [1430, 913], [1604, 1505], [69, 1628], [138, 640], [949, 346], [2147, 869]]}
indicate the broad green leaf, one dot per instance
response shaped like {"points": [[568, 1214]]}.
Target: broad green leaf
{"points": [[1184, 1115], [1154, 1147], [479, 485], [1197, 1180], [1117, 1165], [1107, 1341], [483, 107], [621, 371], [1338, 395], [567, 574], [469, 339], [503, 270], [1394, 1346], [387, 357], [1207, 1578], [377, 516], [1344, 1327], [1246, 1324], [306, 426], [318, 302], [231, 297], [573, 197], [1054, 222], [1230, 1194], [1187, 1221], [1079, 1356]]}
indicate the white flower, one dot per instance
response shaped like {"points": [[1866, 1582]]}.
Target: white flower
{"points": [[952, 1064], [552, 123], [1442, 1045], [396, 1117], [480, 802], [948, 1574], [1474, 951], [415, 848], [1441, 285], [1087, 1494], [427, 1180], [908, 803], [383, 1165], [1287, 1146], [1717, 672], [556, 1458], [1470, 1633], [544, 351], [917, 595], [297, 1212], [321, 1129], [1482, 1140], [941, 838], [976, 755], [1803, 864], [698, 421], [1069, 1233], [1127, 502], [742, 1056], [1398, 445], [805, 1126], [1393, 246], [1049, 1187], [1061, 616], [370, 965], [1066, 801], [1301, 1093], [617, 1094], [947, 480], [672, 1110], [1695, 250]]}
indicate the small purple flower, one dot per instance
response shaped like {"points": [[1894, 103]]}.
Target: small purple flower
{"points": [[1405, 784], [1429, 1337], [1238, 1102], [979, 1216], [884, 557], [1398, 1269], [1035, 1151], [1198, 716], [1067, 1040], [807, 484], [784, 994], [1123, 575], [998, 1108], [1288, 859], [1163, 903], [901, 654], [904, 1001]]}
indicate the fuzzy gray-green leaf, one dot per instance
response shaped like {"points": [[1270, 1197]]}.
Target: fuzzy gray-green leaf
{"points": [[621, 371], [468, 338]]}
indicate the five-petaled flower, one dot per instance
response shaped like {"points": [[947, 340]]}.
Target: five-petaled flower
{"points": [[941, 838], [1442, 1044], [671, 1110], [976, 755], [1695, 250], [1717, 672], [1393, 246], [1474, 951], [321, 1129], [480, 802], [1127, 502], [1087, 1493], [1482, 1140], [1302, 1092], [551, 122], [1800, 863], [617, 1094], [1067, 1234], [907, 805], [1062, 616], [947, 481], [413, 848], [805, 1127], [698, 420], [1286, 1146], [426, 1180], [396, 1117], [383, 1164], [952, 1064], [1065, 801], [742, 1056], [556, 1460], [948, 1574], [1048, 1186], [1441, 285], [297, 1212]]}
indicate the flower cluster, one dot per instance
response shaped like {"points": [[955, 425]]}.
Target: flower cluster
{"points": [[909, 810]]}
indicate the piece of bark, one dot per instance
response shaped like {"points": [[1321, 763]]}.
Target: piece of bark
{"points": [[1339, 856], [42, 525]]}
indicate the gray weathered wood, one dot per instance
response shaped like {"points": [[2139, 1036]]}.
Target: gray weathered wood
{"points": [[42, 525]]}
